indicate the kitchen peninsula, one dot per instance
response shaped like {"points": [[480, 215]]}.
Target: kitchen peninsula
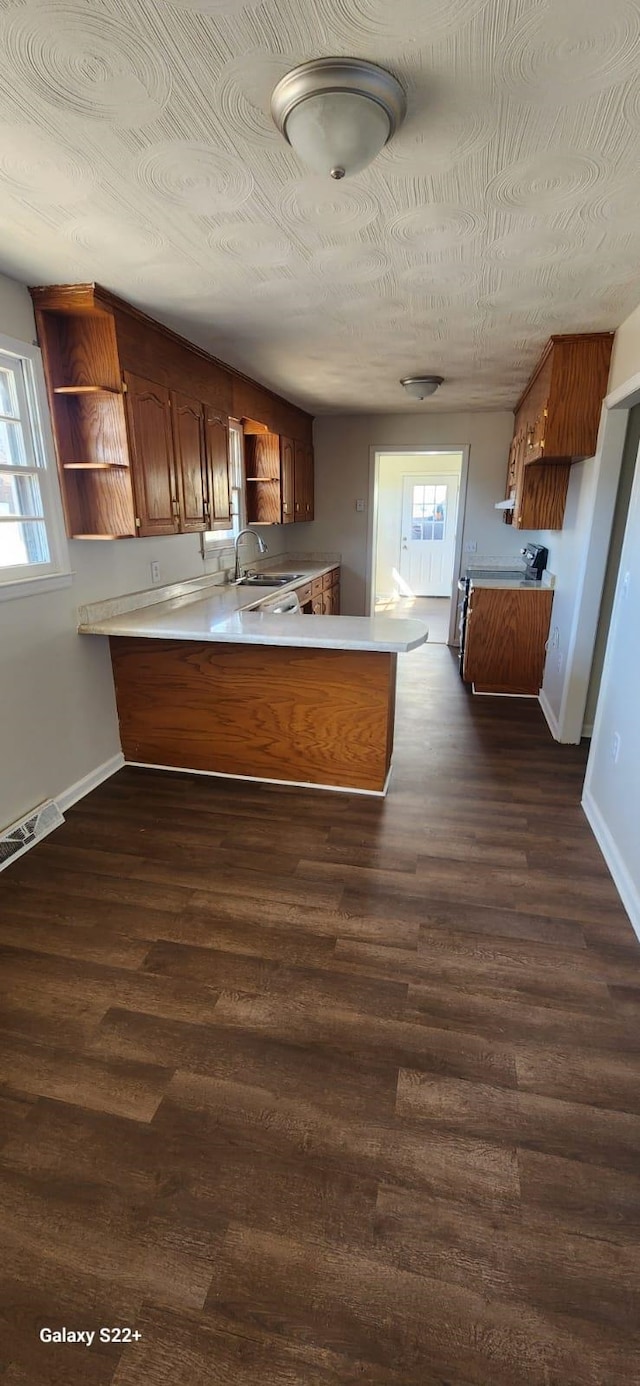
{"points": [[209, 680]]}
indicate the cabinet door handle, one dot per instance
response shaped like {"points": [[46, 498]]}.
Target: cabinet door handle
{"points": [[176, 508]]}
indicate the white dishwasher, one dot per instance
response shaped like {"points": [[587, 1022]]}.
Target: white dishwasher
{"points": [[283, 603]]}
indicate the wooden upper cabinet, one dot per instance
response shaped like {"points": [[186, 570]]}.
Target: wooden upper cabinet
{"points": [[303, 481], [152, 456], [309, 499], [262, 475], [216, 431], [190, 461], [287, 480], [541, 495], [556, 423], [559, 411]]}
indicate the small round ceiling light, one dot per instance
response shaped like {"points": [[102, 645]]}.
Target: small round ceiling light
{"points": [[338, 113], [421, 386]]}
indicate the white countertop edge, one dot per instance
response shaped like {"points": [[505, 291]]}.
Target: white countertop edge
{"points": [[513, 584], [383, 634]]}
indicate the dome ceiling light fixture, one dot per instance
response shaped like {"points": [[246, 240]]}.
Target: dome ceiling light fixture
{"points": [[338, 113], [421, 386]]}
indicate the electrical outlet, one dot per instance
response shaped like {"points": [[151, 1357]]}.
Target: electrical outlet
{"points": [[626, 583], [555, 638], [559, 662], [359, 505], [471, 546], [615, 747], [155, 571]]}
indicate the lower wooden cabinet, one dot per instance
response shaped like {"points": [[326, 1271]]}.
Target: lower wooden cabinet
{"points": [[505, 639], [321, 596]]}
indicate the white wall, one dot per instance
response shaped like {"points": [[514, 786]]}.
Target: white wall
{"points": [[623, 501], [612, 790], [578, 556], [392, 468], [566, 558], [343, 451], [625, 357]]}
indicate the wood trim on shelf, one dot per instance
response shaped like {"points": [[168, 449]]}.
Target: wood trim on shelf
{"points": [[85, 390]]}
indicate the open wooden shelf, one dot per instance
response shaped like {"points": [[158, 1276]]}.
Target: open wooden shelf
{"points": [[91, 466]]}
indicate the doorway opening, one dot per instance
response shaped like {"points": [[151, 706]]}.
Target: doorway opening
{"points": [[416, 554]]}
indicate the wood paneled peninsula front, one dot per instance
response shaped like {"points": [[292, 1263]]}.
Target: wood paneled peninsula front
{"points": [[210, 683]]}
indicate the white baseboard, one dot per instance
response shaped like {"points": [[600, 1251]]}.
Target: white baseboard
{"points": [[550, 716], [264, 779], [88, 782], [621, 878]]}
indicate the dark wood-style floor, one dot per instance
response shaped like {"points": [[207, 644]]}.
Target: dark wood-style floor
{"points": [[322, 1089]]}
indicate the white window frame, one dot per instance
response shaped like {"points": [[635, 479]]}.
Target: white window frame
{"points": [[25, 578]]}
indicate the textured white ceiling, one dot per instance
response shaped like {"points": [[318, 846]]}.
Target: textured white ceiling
{"points": [[136, 148]]}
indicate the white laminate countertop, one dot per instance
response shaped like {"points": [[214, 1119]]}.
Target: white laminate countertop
{"points": [[221, 615]]}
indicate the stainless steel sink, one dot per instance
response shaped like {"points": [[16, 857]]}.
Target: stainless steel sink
{"points": [[267, 579]]}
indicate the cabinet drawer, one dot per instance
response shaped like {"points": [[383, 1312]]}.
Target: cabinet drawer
{"points": [[316, 587], [327, 581], [304, 593]]}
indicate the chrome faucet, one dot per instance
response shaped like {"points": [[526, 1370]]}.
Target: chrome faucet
{"points": [[261, 547]]}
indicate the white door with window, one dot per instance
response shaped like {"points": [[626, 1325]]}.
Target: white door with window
{"points": [[428, 534]]}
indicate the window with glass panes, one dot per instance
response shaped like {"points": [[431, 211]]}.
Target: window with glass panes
{"points": [[24, 541], [428, 512]]}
